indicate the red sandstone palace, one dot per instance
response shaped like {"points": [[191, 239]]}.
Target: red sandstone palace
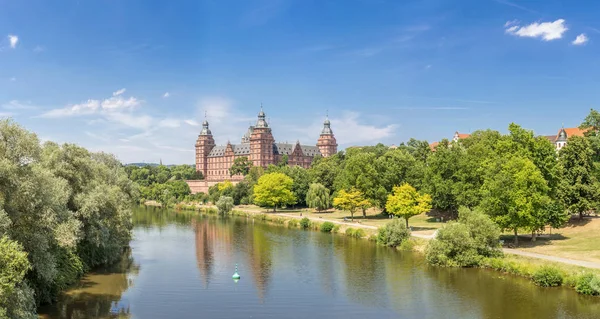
{"points": [[259, 146]]}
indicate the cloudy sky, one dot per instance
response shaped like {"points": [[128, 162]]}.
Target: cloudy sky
{"points": [[135, 78]]}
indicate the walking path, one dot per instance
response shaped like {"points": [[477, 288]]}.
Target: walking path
{"points": [[587, 264], [574, 262]]}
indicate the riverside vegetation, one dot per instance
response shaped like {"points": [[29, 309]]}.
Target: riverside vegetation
{"points": [[511, 182], [63, 211]]}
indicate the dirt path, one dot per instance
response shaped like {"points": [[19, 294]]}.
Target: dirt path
{"points": [[587, 264]]}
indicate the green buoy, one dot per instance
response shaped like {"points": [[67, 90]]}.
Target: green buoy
{"points": [[236, 276]]}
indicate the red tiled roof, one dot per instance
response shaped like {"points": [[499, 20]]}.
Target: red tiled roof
{"points": [[463, 135], [573, 131], [433, 145]]}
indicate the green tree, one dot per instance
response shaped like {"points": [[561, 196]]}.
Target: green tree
{"points": [[350, 201], [16, 299], [578, 188], [225, 204], [273, 190], [326, 170], [406, 202], [241, 166], [317, 197], [515, 194]]}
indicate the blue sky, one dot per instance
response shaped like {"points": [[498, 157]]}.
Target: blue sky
{"points": [[134, 78]]}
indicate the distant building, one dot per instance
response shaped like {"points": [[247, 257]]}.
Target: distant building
{"points": [[560, 139], [455, 138], [259, 146]]}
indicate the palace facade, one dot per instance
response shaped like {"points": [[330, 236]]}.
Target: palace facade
{"points": [[259, 146]]}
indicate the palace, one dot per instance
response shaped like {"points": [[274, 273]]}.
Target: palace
{"points": [[259, 146]]}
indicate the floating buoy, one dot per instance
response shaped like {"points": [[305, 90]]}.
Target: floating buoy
{"points": [[236, 276]]}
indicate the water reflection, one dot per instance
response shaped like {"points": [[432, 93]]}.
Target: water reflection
{"points": [[187, 262], [98, 294]]}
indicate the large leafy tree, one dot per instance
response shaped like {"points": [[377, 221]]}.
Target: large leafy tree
{"points": [[515, 194], [241, 166], [397, 166], [350, 201], [442, 176], [317, 197], [325, 171], [361, 173], [406, 202], [274, 190], [578, 188]]}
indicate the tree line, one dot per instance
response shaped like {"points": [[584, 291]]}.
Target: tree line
{"points": [[63, 211], [518, 178], [164, 184]]}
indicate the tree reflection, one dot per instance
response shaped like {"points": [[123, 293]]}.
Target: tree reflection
{"points": [[98, 294], [364, 271], [260, 261]]}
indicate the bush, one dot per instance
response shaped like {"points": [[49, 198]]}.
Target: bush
{"points": [[336, 229], [278, 220], [407, 245], [305, 223], [465, 243], [393, 233], [349, 232], [588, 284], [225, 204], [548, 276], [359, 233], [327, 227], [293, 223]]}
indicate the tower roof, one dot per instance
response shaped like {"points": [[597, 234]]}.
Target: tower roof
{"points": [[261, 123], [327, 127], [562, 135], [205, 130]]}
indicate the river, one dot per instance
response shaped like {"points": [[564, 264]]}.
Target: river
{"points": [[180, 266]]}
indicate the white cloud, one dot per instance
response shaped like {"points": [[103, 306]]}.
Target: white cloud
{"points": [[13, 39], [166, 95], [18, 105], [191, 122], [116, 103], [13, 79], [119, 92], [548, 31], [5, 114], [137, 121], [172, 123], [349, 129], [581, 39]]}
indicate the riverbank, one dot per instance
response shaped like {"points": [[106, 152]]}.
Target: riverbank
{"points": [[515, 262]]}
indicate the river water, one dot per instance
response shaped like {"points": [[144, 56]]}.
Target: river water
{"points": [[180, 266]]}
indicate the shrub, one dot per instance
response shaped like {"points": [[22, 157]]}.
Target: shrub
{"points": [[465, 243], [336, 229], [349, 232], [262, 217], [278, 220], [327, 227], [548, 276], [359, 233], [293, 223], [304, 223], [315, 225], [393, 233], [588, 284], [407, 245], [225, 204]]}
